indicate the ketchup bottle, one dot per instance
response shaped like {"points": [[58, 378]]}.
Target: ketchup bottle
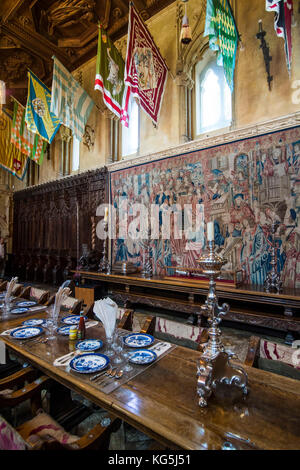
{"points": [[81, 327]]}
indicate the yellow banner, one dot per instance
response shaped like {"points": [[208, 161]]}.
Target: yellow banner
{"points": [[11, 159]]}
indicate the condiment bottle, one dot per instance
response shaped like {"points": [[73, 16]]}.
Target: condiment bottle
{"points": [[73, 333], [81, 327]]}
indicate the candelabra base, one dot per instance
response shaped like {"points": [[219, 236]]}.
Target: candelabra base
{"points": [[273, 283], [104, 266], [218, 377]]}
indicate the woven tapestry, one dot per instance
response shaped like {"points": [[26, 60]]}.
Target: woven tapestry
{"points": [[243, 186]]}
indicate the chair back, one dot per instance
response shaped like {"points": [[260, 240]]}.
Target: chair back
{"points": [[39, 295], [72, 305], [17, 290], [10, 439], [3, 286], [274, 357]]}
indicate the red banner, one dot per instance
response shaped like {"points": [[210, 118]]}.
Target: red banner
{"points": [[145, 70]]}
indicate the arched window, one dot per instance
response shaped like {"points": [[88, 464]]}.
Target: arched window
{"points": [[131, 135], [213, 98]]}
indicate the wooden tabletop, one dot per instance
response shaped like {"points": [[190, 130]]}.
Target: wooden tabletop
{"points": [[162, 401]]}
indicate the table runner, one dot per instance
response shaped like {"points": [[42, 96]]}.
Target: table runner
{"points": [[111, 384]]}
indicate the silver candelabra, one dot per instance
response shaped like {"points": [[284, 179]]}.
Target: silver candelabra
{"points": [[214, 373], [104, 266], [273, 281]]}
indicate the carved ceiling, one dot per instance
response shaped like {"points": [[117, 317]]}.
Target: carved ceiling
{"points": [[32, 31]]}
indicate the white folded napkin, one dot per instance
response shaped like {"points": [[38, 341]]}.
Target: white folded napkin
{"points": [[106, 311], [10, 287], [160, 348], [60, 297]]}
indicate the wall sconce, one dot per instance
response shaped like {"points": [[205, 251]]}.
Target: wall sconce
{"points": [[185, 35]]}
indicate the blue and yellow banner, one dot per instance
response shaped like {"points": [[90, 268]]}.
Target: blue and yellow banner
{"points": [[11, 159], [38, 117]]}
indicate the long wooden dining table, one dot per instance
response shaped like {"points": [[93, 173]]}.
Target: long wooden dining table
{"points": [[162, 401]]}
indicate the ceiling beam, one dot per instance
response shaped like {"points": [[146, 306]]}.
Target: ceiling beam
{"points": [[8, 8], [35, 43]]}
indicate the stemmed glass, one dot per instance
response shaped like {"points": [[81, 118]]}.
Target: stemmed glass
{"points": [[52, 323], [7, 304], [118, 347], [126, 356], [109, 343]]}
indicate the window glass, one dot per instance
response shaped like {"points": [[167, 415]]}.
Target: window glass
{"points": [[75, 154], [213, 98], [130, 135]]}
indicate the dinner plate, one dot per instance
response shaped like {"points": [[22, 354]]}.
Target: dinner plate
{"points": [[89, 362], [34, 322], [16, 311], [26, 332], [72, 319], [89, 345], [26, 303], [64, 330], [138, 340], [142, 356]]}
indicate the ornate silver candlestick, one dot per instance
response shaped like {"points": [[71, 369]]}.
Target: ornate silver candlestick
{"points": [[147, 270], [215, 374], [273, 281], [104, 265]]}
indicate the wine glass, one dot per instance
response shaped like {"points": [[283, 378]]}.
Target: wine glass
{"points": [[118, 347], [51, 323], [126, 356], [109, 334], [7, 304]]}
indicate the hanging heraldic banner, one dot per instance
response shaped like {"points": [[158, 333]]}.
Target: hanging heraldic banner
{"points": [[283, 11], [223, 36], [145, 70], [109, 73], [69, 101], [30, 144], [38, 116]]}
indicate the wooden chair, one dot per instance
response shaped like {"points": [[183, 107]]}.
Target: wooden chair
{"points": [[39, 295], [71, 305], [43, 432], [3, 286], [17, 290], [271, 356]]}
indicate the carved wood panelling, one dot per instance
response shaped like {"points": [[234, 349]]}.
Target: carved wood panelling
{"points": [[45, 217]]}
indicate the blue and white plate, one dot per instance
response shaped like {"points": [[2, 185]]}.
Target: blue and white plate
{"points": [[26, 303], [89, 345], [142, 356], [72, 319], [138, 340], [16, 311], [2, 296], [34, 322], [64, 330], [26, 332], [88, 363]]}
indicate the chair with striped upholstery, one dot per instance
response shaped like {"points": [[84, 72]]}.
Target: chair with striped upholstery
{"points": [[71, 305], [273, 356], [39, 295]]}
